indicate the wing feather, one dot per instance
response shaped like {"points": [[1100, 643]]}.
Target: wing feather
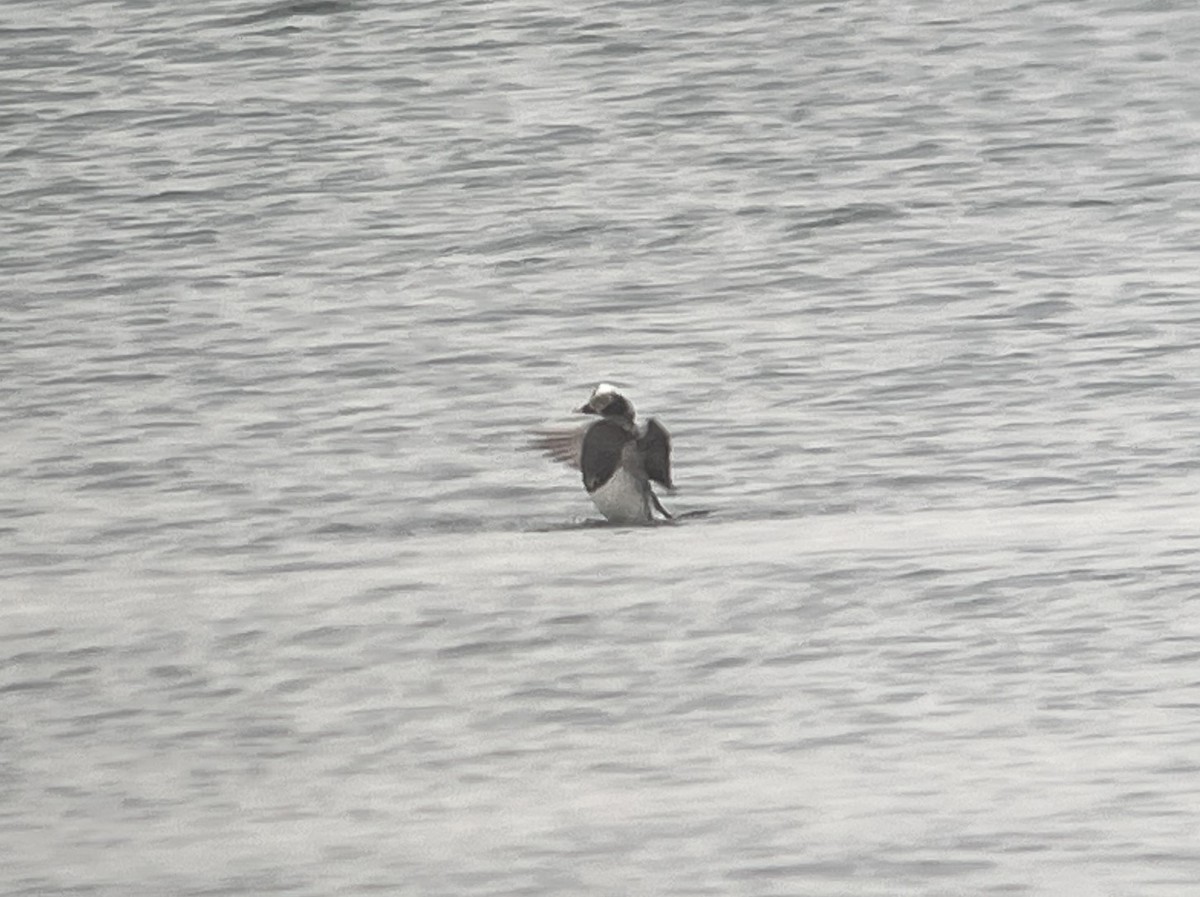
{"points": [[655, 448], [561, 445]]}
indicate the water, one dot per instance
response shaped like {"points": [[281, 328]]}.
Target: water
{"points": [[290, 608]]}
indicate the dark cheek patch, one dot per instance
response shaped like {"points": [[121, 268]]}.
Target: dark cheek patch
{"points": [[618, 407]]}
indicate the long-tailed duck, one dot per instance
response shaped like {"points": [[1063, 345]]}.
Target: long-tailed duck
{"points": [[616, 457]]}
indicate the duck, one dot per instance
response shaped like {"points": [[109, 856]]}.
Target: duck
{"points": [[617, 458]]}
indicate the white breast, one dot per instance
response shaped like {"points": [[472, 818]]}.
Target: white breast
{"points": [[623, 499]]}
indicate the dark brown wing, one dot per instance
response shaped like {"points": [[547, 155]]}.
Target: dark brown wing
{"points": [[561, 445], [603, 443], [655, 448]]}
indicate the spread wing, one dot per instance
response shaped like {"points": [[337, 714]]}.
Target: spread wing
{"points": [[603, 444], [561, 445], [655, 447]]}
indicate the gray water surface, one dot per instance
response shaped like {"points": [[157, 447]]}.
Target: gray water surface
{"points": [[288, 606]]}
